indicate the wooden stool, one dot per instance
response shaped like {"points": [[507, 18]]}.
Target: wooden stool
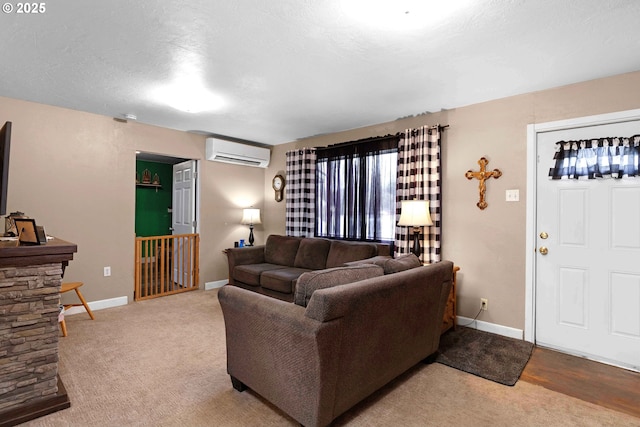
{"points": [[73, 286]]}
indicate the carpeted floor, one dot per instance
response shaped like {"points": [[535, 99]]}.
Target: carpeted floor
{"points": [[162, 362], [486, 355]]}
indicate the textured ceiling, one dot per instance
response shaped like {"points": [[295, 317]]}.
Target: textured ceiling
{"points": [[287, 69]]}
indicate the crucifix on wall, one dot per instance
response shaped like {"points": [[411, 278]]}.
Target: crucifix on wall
{"points": [[482, 175]]}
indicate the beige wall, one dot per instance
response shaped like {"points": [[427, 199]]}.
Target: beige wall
{"points": [[489, 245], [74, 172]]}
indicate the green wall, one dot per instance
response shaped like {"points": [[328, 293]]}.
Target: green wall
{"points": [[152, 216]]}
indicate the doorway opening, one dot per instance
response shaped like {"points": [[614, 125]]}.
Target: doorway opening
{"points": [[167, 241]]}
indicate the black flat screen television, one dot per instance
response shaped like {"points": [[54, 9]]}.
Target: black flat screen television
{"points": [[5, 145]]}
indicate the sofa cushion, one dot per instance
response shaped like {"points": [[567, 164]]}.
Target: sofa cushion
{"points": [[321, 279], [342, 252], [281, 280], [281, 250], [312, 253], [250, 273], [377, 260], [402, 263]]}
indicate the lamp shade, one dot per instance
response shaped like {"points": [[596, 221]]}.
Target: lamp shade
{"points": [[251, 216], [414, 213]]}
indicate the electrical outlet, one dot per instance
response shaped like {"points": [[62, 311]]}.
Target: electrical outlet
{"points": [[512, 195], [484, 303], [107, 271]]}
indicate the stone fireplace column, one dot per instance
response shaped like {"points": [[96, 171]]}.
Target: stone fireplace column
{"points": [[30, 279]]}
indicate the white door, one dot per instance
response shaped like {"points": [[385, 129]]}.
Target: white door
{"points": [[587, 289], [184, 216]]}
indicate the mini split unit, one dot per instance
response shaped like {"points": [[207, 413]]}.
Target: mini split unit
{"points": [[220, 150]]}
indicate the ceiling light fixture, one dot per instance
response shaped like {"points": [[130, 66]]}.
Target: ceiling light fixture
{"points": [[188, 91], [189, 97]]}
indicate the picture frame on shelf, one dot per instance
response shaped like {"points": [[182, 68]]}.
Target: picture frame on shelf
{"points": [[27, 231]]}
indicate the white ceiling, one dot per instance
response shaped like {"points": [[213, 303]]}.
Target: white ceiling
{"points": [[288, 69]]}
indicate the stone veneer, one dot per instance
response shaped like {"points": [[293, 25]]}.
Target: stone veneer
{"points": [[29, 301]]}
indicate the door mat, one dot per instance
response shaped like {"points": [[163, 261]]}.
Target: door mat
{"points": [[494, 357]]}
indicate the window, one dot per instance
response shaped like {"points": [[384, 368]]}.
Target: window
{"points": [[356, 190]]}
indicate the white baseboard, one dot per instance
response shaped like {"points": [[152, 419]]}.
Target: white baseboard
{"points": [[214, 285], [491, 327], [98, 305]]}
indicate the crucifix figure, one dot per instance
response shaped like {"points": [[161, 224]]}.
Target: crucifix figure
{"points": [[482, 175]]}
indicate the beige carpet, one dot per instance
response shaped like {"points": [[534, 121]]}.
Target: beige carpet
{"points": [[162, 363]]}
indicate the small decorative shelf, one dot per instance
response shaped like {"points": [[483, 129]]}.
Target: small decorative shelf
{"points": [[147, 182], [156, 186]]}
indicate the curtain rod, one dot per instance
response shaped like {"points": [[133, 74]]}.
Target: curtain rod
{"points": [[438, 126], [375, 138], [359, 141]]}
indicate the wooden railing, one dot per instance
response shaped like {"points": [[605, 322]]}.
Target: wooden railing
{"points": [[166, 265]]}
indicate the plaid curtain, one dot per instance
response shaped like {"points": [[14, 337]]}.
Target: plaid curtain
{"points": [[596, 158], [300, 192], [419, 178]]}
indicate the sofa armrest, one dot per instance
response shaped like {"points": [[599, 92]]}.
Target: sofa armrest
{"points": [[243, 256], [246, 255], [281, 354]]}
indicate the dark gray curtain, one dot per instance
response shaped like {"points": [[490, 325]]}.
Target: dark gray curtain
{"points": [[355, 184]]}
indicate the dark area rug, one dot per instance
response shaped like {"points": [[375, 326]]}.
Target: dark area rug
{"points": [[494, 357]]}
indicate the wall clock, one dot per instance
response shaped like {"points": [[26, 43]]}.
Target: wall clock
{"points": [[278, 186]]}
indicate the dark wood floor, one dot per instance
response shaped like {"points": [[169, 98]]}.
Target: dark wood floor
{"points": [[594, 382]]}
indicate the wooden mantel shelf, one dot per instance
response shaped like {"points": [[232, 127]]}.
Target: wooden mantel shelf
{"points": [[56, 250]]}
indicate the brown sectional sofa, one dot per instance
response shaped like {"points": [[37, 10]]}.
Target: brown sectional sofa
{"points": [[273, 269], [350, 331]]}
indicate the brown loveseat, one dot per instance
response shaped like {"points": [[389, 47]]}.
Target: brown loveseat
{"points": [[273, 269], [352, 338]]}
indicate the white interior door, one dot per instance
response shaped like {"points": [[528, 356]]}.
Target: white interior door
{"points": [[587, 286], [184, 214]]}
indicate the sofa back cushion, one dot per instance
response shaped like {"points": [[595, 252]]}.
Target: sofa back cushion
{"points": [[342, 252], [402, 263], [321, 279], [312, 253], [281, 250]]}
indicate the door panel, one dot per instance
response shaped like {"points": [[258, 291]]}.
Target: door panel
{"points": [[573, 297], [587, 290], [625, 214], [573, 216], [624, 295], [184, 218]]}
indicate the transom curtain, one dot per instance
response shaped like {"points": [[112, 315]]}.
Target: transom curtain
{"points": [[300, 192], [597, 158], [419, 178]]}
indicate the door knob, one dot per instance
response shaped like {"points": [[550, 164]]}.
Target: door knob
{"points": [[543, 235], [544, 250]]}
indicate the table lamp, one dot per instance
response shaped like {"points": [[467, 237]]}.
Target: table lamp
{"points": [[415, 213], [251, 216]]}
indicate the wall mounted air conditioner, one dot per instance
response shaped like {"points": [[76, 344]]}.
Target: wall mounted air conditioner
{"points": [[219, 150]]}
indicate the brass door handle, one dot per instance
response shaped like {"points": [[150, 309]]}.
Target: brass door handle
{"points": [[544, 250], [543, 235]]}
